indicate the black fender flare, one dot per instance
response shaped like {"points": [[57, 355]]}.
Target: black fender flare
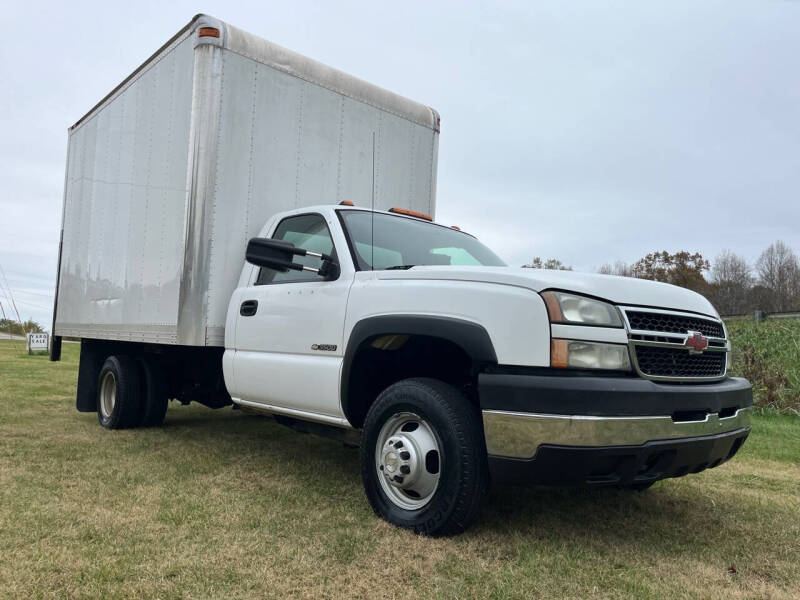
{"points": [[471, 337]]}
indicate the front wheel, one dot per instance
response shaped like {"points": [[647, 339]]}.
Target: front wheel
{"points": [[423, 457]]}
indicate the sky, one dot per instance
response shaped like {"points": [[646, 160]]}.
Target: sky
{"points": [[585, 131]]}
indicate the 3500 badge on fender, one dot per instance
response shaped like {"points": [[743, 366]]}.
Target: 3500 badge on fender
{"points": [[324, 347]]}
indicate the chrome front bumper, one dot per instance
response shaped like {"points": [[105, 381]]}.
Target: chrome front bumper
{"points": [[519, 435], [578, 430]]}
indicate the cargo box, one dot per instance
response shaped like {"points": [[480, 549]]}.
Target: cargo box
{"points": [[170, 174]]}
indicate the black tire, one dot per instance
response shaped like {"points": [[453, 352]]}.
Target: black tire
{"points": [[154, 392], [124, 379], [463, 475]]}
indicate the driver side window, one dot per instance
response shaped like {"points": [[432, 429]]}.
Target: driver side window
{"points": [[309, 232]]}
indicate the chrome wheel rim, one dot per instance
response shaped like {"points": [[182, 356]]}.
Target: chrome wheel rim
{"points": [[408, 460], [108, 394]]}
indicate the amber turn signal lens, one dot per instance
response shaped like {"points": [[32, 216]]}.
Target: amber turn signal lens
{"points": [[558, 354], [553, 307]]}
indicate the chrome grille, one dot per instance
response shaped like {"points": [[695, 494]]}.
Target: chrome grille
{"points": [[670, 362], [657, 340], [671, 323]]}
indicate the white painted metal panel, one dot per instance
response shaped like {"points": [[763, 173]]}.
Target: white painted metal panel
{"points": [[359, 122], [618, 290], [125, 204], [276, 363], [315, 72], [612, 335], [514, 317], [303, 382]]}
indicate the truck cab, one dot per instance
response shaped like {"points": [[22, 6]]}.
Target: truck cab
{"points": [[457, 370]]}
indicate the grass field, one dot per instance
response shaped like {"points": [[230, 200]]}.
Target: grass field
{"points": [[768, 354], [221, 504]]}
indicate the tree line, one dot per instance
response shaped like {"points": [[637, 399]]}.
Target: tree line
{"points": [[17, 328], [730, 282]]}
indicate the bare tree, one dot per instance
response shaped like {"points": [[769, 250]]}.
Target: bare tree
{"points": [[620, 268], [779, 271], [731, 281]]}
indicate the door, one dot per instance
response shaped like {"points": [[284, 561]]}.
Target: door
{"points": [[290, 325]]}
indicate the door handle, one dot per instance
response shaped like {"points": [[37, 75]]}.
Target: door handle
{"points": [[248, 308]]}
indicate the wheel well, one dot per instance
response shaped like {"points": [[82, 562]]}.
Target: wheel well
{"points": [[382, 360]]}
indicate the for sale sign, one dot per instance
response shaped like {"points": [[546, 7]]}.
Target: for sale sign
{"points": [[38, 341]]}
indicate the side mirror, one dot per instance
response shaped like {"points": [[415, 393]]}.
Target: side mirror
{"points": [[272, 254], [278, 254]]}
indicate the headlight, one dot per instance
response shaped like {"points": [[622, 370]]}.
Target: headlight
{"points": [[589, 355], [579, 310]]}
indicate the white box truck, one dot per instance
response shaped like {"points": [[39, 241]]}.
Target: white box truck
{"points": [[243, 225]]}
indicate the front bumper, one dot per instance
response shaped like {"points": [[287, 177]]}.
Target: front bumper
{"points": [[560, 430]]}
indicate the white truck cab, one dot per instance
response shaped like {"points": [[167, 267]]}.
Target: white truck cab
{"points": [[245, 226], [457, 368]]}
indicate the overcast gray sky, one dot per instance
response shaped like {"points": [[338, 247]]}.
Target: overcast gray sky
{"points": [[587, 131]]}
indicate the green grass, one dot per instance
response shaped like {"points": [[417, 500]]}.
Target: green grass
{"points": [[221, 504], [768, 354]]}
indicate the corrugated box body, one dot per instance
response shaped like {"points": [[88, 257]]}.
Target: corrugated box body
{"points": [[170, 175]]}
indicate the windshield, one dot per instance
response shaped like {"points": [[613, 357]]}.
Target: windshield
{"points": [[401, 242]]}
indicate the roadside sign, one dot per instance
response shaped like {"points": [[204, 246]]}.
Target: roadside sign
{"points": [[38, 341]]}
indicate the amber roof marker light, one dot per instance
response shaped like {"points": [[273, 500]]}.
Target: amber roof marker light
{"points": [[208, 32], [410, 213], [346, 203]]}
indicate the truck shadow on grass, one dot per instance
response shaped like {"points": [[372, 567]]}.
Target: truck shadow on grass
{"points": [[663, 515]]}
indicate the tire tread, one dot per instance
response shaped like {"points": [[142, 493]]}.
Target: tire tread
{"points": [[464, 418], [128, 409], [154, 392]]}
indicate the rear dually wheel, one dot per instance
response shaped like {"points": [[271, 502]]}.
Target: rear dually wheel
{"points": [[154, 392], [119, 402]]}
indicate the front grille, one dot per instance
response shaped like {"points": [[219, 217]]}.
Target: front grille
{"points": [[677, 362], [668, 323]]}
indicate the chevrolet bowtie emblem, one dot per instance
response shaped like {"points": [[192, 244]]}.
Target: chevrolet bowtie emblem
{"points": [[696, 342]]}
